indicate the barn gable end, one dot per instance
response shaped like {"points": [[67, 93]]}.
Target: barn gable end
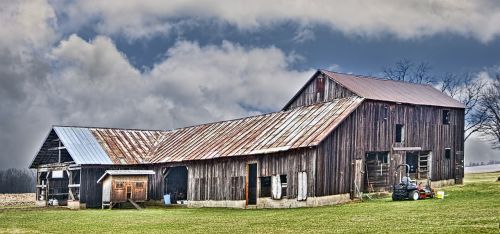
{"points": [[319, 88]]}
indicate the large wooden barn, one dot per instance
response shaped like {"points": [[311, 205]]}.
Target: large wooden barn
{"points": [[338, 136]]}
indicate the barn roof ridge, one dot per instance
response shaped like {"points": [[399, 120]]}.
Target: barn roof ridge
{"points": [[373, 77], [380, 89], [194, 125], [113, 128]]}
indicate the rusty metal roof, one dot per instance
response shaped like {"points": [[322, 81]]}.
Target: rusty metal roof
{"points": [[127, 146], [394, 91], [300, 127]]}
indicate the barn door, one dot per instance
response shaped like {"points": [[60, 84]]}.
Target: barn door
{"points": [[118, 193], [358, 177], [129, 190], [302, 186], [459, 167], [252, 184], [139, 191]]}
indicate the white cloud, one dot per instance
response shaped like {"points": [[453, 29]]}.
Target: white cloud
{"points": [[404, 19], [92, 84], [194, 84]]}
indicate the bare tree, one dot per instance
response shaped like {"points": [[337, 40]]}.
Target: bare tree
{"points": [[468, 91], [422, 73], [406, 70], [462, 87], [490, 105]]}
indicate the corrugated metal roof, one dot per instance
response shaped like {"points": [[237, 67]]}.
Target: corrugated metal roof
{"points": [[82, 145], [300, 127], [394, 91], [126, 146], [125, 172]]}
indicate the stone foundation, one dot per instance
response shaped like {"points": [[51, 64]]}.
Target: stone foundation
{"points": [[41, 203], [228, 204], [75, 205], [442, 183], [271, 203]]}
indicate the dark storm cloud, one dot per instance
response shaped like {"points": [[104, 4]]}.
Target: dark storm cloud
{"points": [[171, 64]]}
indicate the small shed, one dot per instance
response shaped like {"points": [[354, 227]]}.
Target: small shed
{"points": [[119, 186]]}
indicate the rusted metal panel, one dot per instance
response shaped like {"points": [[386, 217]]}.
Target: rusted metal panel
{"points": [[124, 146]]}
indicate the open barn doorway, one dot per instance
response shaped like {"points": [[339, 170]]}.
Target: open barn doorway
{"points": [[377, 178], [176, 183], [420, 164]]}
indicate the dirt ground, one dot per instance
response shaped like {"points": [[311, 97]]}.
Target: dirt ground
{"points": [[17, 199]]}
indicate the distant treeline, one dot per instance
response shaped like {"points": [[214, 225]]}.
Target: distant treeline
{"points": [[15, 180], [491, 162]]}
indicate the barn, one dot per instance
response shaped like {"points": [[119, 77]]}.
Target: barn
{"points": [[340, 135]]}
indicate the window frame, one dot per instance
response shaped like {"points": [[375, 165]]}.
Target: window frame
{"points": [[264, 192], [447, 153], [119, 185], [445, 117], [401, 138]]}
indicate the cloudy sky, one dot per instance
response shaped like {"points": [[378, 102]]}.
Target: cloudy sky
{"points": [[156, 64]]}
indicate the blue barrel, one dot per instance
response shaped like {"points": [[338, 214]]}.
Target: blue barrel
{"points": [[166, 199]]}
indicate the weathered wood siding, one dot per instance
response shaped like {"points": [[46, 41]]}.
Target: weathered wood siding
{"points": [[334, 170], [371, 128], [224, 179], [319, 91]]}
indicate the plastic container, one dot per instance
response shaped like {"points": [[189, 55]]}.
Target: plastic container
{"points": [[166, 199], [440, 195]]}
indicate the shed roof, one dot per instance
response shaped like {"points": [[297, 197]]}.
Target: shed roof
{"points": [[125, 173], [393, 91]]}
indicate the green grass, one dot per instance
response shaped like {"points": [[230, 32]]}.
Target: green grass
{"points": [[473, 207]]}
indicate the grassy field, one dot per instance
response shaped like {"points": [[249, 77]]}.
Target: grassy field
{"points": [[473, 207]]}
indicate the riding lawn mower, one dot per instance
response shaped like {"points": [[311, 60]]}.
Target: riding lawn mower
{"points": [[406, 188]]}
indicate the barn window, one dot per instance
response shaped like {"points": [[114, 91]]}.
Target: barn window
{"points": [[447, 153], [385, 112], [139, 184], [320, 84], [283, 185], [279, 186], [400, 129], [446, 116], [265, 186], [382, 158], [119, 185]]}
